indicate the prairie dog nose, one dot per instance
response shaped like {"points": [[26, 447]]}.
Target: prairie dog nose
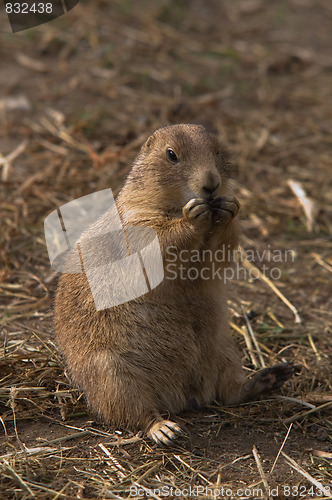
{"points": [[211, 182], [210, 190]]}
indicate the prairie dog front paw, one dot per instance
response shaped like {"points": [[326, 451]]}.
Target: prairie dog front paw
{"points": [[198, 212], [224, 209]]}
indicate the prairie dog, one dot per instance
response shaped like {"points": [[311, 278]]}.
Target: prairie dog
{"points": [[142, 361]]}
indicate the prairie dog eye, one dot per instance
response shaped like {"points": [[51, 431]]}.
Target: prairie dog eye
{"points": [[171, 156]]}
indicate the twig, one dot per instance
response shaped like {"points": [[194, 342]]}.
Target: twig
{"points": [[314, 348], [260, 470], [13, 394], [147, 473], [253, 336], [7, 160], [321, 262], [66, 438], [280, 449], [148, 491], [275, 319], [191, 468], [7, 468], [304, 473], [29, 452], [303, 414], [248, 342], [115, 465], [61, 492], [307, 204], [296, 400], [248, 265], [321, 454]]}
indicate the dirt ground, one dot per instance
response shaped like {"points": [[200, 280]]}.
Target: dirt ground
{"points": [[78, 96]]}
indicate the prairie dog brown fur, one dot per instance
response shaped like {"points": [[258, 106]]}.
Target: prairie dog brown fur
{"points": [[142, 361]]}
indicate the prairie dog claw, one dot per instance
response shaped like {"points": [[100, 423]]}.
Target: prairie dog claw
{"points": [[164, 432]]}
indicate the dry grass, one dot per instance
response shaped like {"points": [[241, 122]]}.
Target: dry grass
{"points": [[78, 97]]}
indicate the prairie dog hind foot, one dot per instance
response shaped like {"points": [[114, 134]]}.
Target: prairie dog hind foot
{"points": [[164, 432], [267, 380]]}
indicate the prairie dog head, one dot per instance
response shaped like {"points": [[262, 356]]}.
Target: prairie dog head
{"points": [[175, 164]]}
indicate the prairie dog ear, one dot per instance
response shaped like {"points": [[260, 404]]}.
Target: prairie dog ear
{"points": [[149, 142]]}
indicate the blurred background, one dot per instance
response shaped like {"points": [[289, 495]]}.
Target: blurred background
{"points": [[79, 96]]}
